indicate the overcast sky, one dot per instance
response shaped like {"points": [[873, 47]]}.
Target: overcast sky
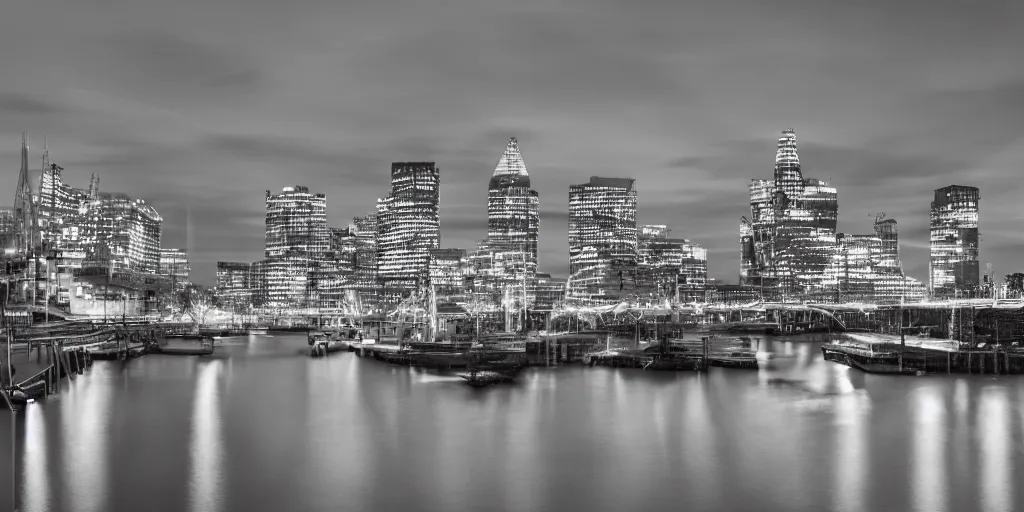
{"points": [[199, 107]]}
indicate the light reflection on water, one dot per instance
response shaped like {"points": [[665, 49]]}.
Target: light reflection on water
{"points": [[265, 427]]}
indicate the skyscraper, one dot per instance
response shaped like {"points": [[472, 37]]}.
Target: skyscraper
{"points": [[513, 220], [602, 237], [953, 269], [408, 225], [297, 240], [296, 223], [790, 237]]}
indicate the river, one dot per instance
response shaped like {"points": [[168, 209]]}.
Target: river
{"points": [[261, 426]]}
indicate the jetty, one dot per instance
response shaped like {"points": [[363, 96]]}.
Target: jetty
{"points": [[968, 336]]}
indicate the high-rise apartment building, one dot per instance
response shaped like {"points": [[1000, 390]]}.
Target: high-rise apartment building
{"points": [[131, 230], [602, 238], [953, 269], [174, 264], [296, 223], [513, 219], [408, 226]]}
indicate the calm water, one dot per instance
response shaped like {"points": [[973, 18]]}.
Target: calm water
{"points": [[267, 428]]}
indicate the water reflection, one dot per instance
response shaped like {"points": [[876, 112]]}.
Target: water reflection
{"points": [[852, 417], [36, 483], [993, 427], [929, 479], [207, 453], [86, 433], [269, 428]]}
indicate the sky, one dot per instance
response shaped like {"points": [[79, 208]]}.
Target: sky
{"points": [[199, 108]]}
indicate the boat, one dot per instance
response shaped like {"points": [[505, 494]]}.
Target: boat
{"points": [[203, 348], [482, 378], [738, 359], [257, 331], [113, 350], [501, 342], [321, 347], [19, 395]]}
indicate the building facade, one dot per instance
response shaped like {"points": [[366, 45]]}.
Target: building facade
{"points": [[670, 267], [789, 240], [296, 222], [602, 239], [174, 264], [408, 227], [513, 219], [448, 275], [233, 291], [953, 269], [131, 230]]}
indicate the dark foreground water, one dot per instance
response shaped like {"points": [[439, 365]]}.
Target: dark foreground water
{"points": [[264, 427]]}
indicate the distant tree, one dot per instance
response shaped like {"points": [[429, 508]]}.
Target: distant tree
{"points": [[1015, 283]]}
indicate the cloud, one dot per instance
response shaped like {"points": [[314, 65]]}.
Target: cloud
{"points": [[200, 110]]}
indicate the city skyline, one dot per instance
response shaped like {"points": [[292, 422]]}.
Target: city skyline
{"points": [[200, 125]]}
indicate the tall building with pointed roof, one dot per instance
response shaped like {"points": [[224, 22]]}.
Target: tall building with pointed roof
{"points": [[513, 218]]}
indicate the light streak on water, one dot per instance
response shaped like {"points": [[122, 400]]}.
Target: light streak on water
{"points": [[207, 453], [36, 484], [993, 429], [929, 478], [86, 432]]}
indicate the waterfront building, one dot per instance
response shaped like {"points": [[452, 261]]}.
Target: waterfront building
{"points": [[174, 264], [408, 227], [602, 239], [296, 222], [550, 293], [513, 219], [131, 230], [449, 269], [670, 267], [867, 268], [953, 269], [500, 283], [233, 291], [790, 238]]}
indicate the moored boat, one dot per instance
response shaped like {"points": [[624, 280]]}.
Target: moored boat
{"points": [[482, 378]]}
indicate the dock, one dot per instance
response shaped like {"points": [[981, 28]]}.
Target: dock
{"points": [[888, 354]]}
